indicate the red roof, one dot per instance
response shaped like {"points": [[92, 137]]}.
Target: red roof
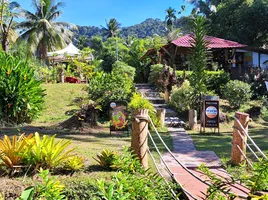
{"points": [[213, 42]]}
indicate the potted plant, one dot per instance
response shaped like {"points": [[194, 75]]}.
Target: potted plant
{"points": [[140, 106]]}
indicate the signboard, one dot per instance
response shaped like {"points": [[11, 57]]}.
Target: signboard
{"points": [[118, 116], [211, 113]]}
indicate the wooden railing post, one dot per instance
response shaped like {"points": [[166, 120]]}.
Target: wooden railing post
{"points": [[236, 155], [139, 140]]}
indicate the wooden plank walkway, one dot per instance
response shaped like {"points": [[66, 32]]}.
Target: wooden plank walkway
{"points": [[185, 151]]}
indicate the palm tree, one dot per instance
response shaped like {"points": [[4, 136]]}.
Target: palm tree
{"points": [[112, 28], [170, 17], [41, 30], [7, 14]]}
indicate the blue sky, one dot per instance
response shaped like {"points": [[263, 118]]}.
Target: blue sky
{"points": [[127, 12]]}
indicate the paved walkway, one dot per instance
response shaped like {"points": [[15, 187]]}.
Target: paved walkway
{"points": [[185, 151]]}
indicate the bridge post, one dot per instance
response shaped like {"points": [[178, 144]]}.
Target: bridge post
{"points": [[139, 140], [236, 155]]}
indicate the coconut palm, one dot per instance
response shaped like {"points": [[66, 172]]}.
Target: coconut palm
{"points": [[41, 30], [170, 17], [112, 28]]}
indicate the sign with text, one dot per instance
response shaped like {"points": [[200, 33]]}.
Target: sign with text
{"points": [[211, 113], [118, 116]]}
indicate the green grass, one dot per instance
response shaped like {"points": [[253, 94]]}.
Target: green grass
{"points": [[59, 102]]}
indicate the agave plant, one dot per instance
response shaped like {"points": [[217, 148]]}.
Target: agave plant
{"points": [[47, 153], [12, 152]]}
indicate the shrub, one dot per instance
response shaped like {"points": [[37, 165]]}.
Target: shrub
{"points": [[105, 88], [82, 189], [215, 80], [155, 73], [237, 93], [21, 97], [180, 97], [74, 163], [138, 102], [134, 186], [122, 68]]}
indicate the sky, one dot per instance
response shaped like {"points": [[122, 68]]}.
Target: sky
{"points": [[126, 12]]}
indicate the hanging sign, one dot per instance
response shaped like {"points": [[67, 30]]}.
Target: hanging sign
{"points": [[118, 116], [211, 113]]}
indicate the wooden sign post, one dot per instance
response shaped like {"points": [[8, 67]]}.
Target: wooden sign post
{"points": [[210, 114]]}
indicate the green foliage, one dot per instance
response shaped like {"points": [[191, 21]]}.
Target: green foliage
{"points": [[120, 68], [48, 153], [180, 97], [156, 72], [218, 190], [138, 102], [74, 163], [134, 186], [50, 189], [21, 97], [27, 194], [81, 189], [241, 16], [258, 180], [106, 158], [127, 162], [198, 60], [105, 88], [237, 93]]}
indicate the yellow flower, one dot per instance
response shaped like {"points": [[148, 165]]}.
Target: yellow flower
{"points": [[25, 77], [8, 72]]}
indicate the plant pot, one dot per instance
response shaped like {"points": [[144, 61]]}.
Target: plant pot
{"points": [[141, 113]]}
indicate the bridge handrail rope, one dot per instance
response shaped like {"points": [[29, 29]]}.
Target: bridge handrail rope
{"points": [[184, 167], [245, 132], [244, 156], [168, 169], [159, 172], [239, 133]]}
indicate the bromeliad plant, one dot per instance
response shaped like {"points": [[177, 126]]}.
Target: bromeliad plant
{"points": [[47, 153], [21, 97], [12, 152]]}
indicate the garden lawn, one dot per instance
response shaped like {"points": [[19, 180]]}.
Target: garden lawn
{"points": [[221, 143], [59, 104]]}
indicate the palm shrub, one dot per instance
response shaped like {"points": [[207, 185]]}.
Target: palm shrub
{"points": [[198, 60], [21, 97], [237, 93], [181, 96], [122, 68]]}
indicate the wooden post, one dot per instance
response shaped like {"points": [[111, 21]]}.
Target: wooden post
{"points": [[160, 114], [139, 140], [236, 156], [192, 119], [166, 97]]}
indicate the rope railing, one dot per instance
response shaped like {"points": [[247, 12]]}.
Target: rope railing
{"points": [[182, 165], [239, 133], [168, 169], [244, 156], [251, 140]]}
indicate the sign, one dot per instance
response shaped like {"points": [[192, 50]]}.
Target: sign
{"points": [[211, 113], [118, 116]]}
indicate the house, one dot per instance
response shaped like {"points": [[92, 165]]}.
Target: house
{"points": [[222, 54]]}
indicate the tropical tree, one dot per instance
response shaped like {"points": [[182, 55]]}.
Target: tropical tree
{"points": [[112, 28], [170, 18], [42, 30], [7, 15]]}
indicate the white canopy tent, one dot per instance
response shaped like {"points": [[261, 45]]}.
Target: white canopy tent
{"points": [[70, 51]]}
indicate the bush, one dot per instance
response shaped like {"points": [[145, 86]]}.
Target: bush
{"points": [[215, 80], [122, 68], [21, 97], [155, 73], [105, 88], [237, 93], [180, 98], [138, 102]]}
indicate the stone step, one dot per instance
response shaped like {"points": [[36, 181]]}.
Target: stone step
{"points": [[156, 100], [151, 94], [171, 113], [160, 105], [174, 122]]}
